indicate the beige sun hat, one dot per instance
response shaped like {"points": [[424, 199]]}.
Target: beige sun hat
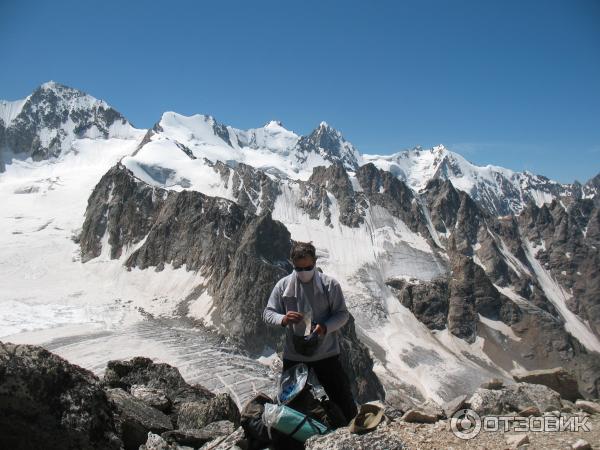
{"points": [[368, 418]]}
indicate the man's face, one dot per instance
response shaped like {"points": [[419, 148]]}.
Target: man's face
{"points": [[305, 268]]}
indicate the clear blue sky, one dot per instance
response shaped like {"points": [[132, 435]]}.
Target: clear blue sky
{"points": [[512, 83]]}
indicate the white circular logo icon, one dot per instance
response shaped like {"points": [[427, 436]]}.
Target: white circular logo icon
{"points": [[465, 424]]}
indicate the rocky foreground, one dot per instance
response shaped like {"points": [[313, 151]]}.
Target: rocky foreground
{"points": [[48, 403]]}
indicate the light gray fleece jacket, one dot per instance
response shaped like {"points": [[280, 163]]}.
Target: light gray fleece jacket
{"points": [[290, 294]]}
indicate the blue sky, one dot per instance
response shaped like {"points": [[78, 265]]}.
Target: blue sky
{"points": [[511, 83]]}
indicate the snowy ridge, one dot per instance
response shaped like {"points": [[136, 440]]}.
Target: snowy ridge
{"points": [[271, 148], [500, 190], [275, 149], [281, 152], [273, 136]]}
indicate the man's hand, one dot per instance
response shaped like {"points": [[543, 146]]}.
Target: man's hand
{"points": [[292, 317], [320, 329]]}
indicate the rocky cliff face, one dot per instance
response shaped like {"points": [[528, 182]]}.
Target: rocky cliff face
{"points": [[496, 272], [240, 255], [567, 242]]}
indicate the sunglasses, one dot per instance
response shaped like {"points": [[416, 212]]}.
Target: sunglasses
{"points": [[304, 269]]}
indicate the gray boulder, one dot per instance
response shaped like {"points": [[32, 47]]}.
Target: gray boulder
{"points": [[581, 444], [156, 442], [196, 415], [46, 402], [161, 377], [419, 416], [516, 440], [588, 407], [454, 405], [382, 438], [493, 384], [196, 438], [135, 419], [156, 398], [514, 399], [234, 441], [558, 379]]}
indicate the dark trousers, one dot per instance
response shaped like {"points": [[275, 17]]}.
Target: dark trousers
{"points": [[334, 380]]}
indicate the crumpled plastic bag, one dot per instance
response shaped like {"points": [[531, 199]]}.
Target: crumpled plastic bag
{"points": [[291, 382]]}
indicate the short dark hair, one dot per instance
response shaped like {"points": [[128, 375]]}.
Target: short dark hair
{"points": [[301, 250]]}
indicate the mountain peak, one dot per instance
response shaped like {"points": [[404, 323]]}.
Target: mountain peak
{"points": [[51, 85], [329, 144], [198, 128], [54, 116], [274, 124], [56, 87]]}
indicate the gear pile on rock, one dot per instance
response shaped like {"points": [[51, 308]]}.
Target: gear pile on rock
{"points": [[46, 402]]}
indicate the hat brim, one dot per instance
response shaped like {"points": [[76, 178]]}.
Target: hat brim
{"points": [[367, 419]]}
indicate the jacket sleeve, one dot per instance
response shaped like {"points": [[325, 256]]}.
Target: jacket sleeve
{"points": [[275, 310], [339, 312]]}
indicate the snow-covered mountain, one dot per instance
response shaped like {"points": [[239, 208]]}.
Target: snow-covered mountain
{"points": [[271, 148], [191, 220], [48, 121], [45, 124], [499, 190]]}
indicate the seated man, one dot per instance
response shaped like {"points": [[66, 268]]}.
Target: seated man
{"points": [[307, 302]]}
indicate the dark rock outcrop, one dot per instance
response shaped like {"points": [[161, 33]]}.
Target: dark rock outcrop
{"points": [[334, 179], [156, 398], [514, 398], [46, 402], [385, 190], [134, 419], [355, 358], [557, 379], [141, 371], [252, 188], [197, 437], [454, 302], [487, 253], [569, 237], [427, 301], [199, 414]]}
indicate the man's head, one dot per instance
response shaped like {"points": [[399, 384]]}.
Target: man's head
{"points": [[303, 258]]}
